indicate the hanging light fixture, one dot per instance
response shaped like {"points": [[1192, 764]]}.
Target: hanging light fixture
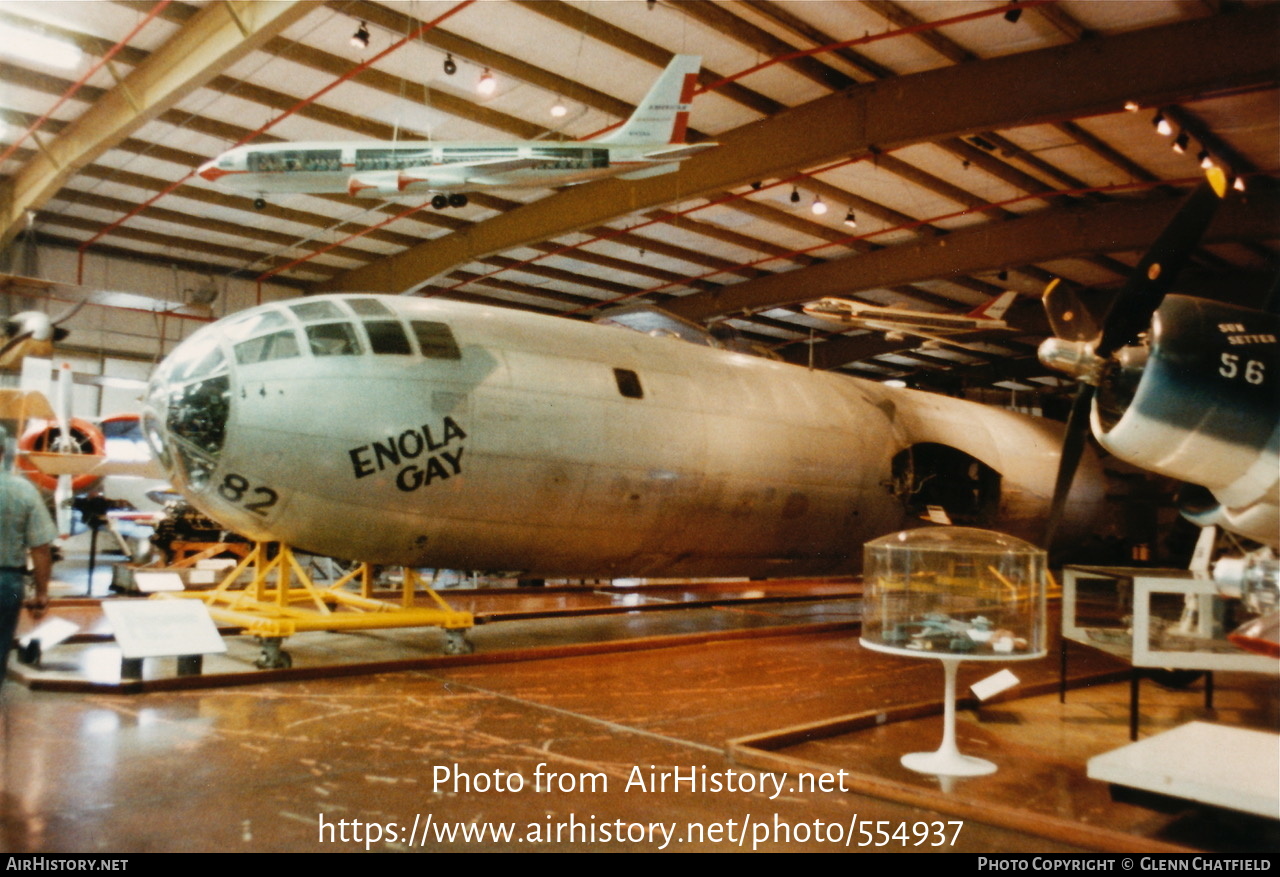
{"points": [[1238, 185], [850, 220], [795, 195], [1162, 125], [1181, 143], [1013, 14], [558, 109], [1205, 159], [487, 83], [450, 66], [819, 207], [360, 39], [1131, 106]]}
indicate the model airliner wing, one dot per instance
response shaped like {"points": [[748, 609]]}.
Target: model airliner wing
{"points": [[677, 151], [916, 333], [467, 172]]}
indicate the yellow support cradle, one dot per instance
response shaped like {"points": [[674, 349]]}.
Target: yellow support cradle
{"points": [[281, 599]]}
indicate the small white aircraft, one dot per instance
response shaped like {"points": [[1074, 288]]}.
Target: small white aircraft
{"points": [[651, 142], [898, 323], [425, 432]]}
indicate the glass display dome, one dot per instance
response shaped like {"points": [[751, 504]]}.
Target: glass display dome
{"points": [[954, 591]]}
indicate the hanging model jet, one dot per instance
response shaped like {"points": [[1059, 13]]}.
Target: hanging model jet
{"points": [[898, 323], [400, 430], [651, 142]]}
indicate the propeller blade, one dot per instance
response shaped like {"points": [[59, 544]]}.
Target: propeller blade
{"points": [[1159, 267], [14, 342], [1068, 317], [1072, 448], [68, 312]]}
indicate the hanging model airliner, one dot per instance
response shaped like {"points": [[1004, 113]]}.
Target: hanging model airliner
{"points": [[899, 323], [651, 142], [399, 430]]}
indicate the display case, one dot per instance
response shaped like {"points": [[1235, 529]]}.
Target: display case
{"points": [[953, 594], [975, 594]]}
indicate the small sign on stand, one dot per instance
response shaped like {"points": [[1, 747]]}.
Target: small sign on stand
{"points": [[158, 628]]}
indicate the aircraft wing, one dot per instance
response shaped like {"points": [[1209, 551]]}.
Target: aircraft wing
{"points": [[24, 405], [902, 329], [678, 151], [35, 288], [94, 464], [467, 172]]}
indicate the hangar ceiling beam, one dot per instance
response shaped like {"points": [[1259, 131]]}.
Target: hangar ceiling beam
{"points": [[214, 39], [580, 22], [1232, 51], [1048, 234]]}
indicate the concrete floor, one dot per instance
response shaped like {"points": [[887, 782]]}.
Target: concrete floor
{"points": [[311, 765]]}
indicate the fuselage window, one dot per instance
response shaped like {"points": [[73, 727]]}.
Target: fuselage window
{"points": [[435, 340], [316, 310], [628, 383], [387, 336], [277, 345], [333, 339]]}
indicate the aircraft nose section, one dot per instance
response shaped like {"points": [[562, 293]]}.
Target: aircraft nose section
{"points": [[208, 171], [188, 406]]}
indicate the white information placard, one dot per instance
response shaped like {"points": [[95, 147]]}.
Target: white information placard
{"points": [[154, 582], [152, 628]]}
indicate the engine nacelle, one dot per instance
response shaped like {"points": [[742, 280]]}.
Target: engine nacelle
{"points": [[44, 438], [379, 184], [1202, 404]]}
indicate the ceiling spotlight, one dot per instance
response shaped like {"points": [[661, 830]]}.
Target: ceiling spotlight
{"points": [[1205, 159], [795, 196], [818, 208], [1162, 125], [450, 66], [851, 220], [558, 109], [1181, 143], [487, 83], [360, 39], [1012, 15], [1131, 106]]}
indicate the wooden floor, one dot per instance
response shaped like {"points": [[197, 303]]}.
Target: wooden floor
{"points": [[295, 764]]}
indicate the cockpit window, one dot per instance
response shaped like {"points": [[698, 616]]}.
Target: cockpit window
{"points": [[196, 357], [387, 336], [435, 340], [277, 345], [309, 311], [333, 339], [368, 307], [254, 324]]}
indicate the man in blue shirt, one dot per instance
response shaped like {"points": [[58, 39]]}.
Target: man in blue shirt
{"points": [[25, 529]]}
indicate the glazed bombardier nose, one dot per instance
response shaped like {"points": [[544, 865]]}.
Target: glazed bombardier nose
{"points": [[188, 405]]}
